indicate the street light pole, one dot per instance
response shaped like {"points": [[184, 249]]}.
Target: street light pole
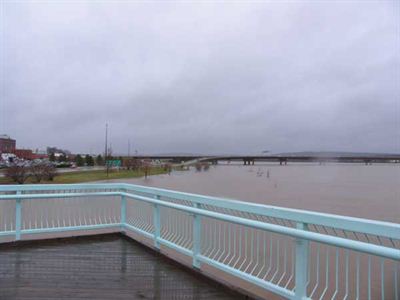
{"points": [[106, 149]]}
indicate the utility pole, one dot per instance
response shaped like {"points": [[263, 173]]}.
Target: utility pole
{"points": [[129, 148], [106, 149]]}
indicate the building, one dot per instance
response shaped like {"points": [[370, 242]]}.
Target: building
{"points": [[40, 154], [8, 150], [7, 144], [24, 154]]}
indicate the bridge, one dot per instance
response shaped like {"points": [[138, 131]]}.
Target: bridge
{"points": [[282, 159], [257, 250]]}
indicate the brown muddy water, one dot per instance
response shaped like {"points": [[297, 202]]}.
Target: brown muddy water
{"points": [[366, 191]]}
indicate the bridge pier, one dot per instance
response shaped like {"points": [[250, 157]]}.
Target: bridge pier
{"points": [[247, 161], [283, 161]]}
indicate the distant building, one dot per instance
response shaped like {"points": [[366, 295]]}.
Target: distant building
{"points": [[7, 144], [40, 154], [8, 150], [24, 154], [57, 152]]}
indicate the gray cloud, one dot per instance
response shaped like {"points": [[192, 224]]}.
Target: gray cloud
{"points": [[193, 77]]}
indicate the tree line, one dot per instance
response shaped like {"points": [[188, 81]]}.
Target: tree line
{"points": [[38, 171], [88, 160], [79, 160]]}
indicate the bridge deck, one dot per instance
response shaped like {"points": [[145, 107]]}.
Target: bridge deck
{"points": [[97, 267]]}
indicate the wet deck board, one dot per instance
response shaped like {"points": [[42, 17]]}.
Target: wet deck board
{"points": [[98, 267]]}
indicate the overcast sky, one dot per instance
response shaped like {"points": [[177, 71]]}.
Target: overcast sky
{"points": [[231, 77]]}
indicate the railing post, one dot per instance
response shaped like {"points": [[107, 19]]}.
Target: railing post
{"points": [[301, 270], [123, 212], [18, 215], [157, 224], [196, 237]]}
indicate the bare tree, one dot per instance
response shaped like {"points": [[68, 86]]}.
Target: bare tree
{"points": [[43, 170], [167, 168], [146, 167], [18, 173], [206, 166], [198, 166], [49, 172], [37, 171], [132, 164], [108, 160]]}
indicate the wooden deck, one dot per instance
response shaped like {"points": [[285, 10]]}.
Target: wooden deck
{"points": [[98, 267]]}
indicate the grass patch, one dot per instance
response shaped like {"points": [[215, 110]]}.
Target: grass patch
{"points": [[86, 176]]}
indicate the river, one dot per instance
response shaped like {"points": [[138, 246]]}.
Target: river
{"points": [[366, 191]]}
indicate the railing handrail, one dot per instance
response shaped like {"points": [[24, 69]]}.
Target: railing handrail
{"points": [[377, 250], [59, 195], [197, 209], [360, 225], [57, 187], [293, 232]]}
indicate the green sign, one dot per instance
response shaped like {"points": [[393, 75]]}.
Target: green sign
{"points": [[113, 163]]}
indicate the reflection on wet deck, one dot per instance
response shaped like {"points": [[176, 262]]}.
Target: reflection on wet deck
{"points": [[98, 267]]}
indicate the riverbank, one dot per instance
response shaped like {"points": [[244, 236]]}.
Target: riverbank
{"points": [[93, 175]]}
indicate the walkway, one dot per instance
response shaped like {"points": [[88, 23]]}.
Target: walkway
{"points": [[97, 267]]}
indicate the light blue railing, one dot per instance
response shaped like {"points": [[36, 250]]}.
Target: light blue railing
{"points": [[293, 253]]}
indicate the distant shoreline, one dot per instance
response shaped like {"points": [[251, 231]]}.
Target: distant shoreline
{"points": [[87, 176]]}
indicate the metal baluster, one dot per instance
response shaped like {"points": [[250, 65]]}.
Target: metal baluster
{"points": [[302, 249], [229, 244], [358, 277], [382, 278], [395, 280], [336, 274], [157, 226], [326, 274], [347, 274], [284, 262], [256, 253], [196, 238], [234, 231], [18, 216], [277, 260], [369, 277], [317, 271], [264, 255], [270, 258], [123, 213]]}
